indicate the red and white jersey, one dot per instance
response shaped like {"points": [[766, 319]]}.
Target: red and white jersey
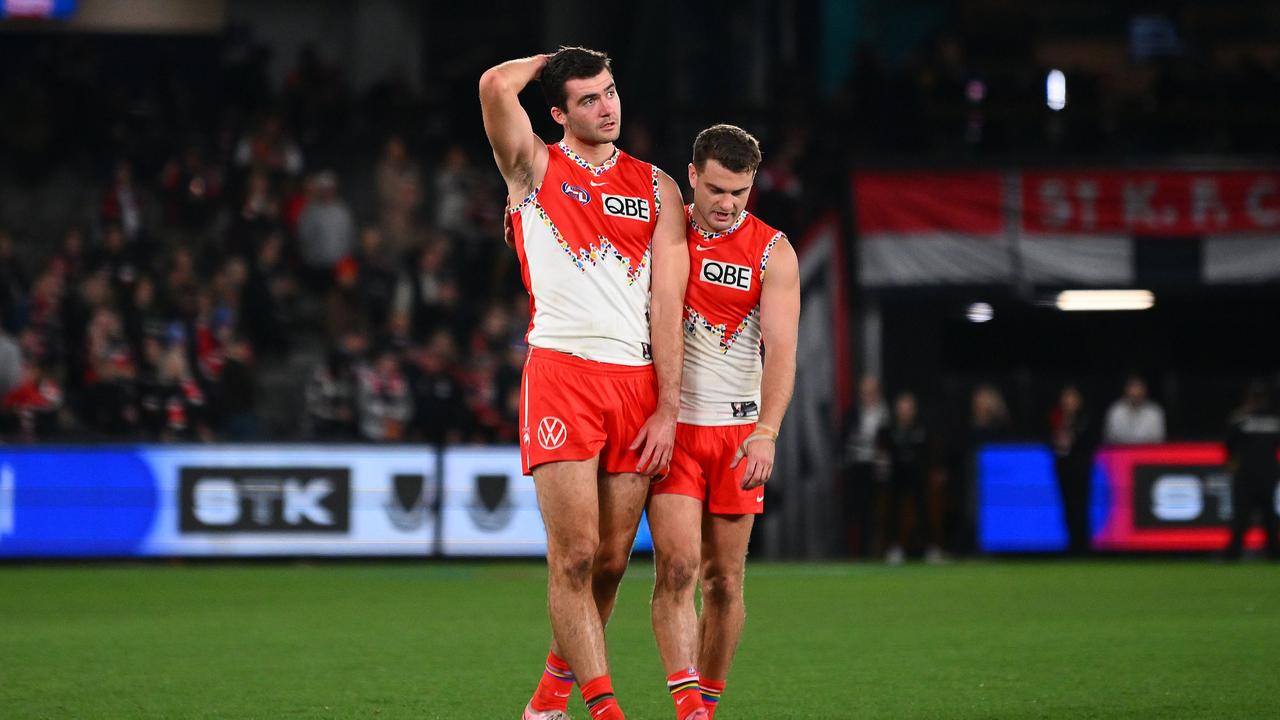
{"points": [[722, 335], [583, 237]]}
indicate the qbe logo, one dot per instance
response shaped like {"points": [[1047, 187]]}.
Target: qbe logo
{"points": [[729, 275], [275, 500], [632, 208]]}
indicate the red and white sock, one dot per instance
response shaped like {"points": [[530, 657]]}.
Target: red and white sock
{"points": [[685, 692], [601, 703], [555, 686], [711, 691]]}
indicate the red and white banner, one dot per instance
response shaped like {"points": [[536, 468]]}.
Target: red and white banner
{"points": [[1158, 203], [930, 228]]}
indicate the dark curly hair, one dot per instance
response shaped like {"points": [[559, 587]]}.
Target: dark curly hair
{"points": [[570, 63], [731, 146]]}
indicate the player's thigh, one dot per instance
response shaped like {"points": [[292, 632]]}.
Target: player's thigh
{"points": [[621, 502], [724, 547], [567, 499]]}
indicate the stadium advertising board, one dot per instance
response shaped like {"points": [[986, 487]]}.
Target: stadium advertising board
{"points": [[1164, 497], [267, 500], [1171, 498], [216, 501]]}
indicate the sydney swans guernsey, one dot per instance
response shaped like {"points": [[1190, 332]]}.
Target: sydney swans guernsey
{"points": [[722, 362], [583, 238]]}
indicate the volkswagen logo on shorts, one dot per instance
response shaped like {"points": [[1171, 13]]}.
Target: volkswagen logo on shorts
{"points": [[575, 192], [552, 433]]}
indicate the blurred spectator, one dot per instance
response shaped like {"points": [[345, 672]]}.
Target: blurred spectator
{"points": [[31, 407], [122, 203], [1252, 443], [988, 423], [905, 443], [238, 392], [143, 316], [71, 259], [10, 362], [14, 284], [191, 189], [270, 296], [111, 376], [383, 399], [427, 290], [171, 402], [1070, 437], [260, 213], [269, 148], [345, 309], [1134, 419], [377, 275], [326, 229], [116, 258], [451, 187], [440, 411], [864, 467], [331, 398], [399, 196]]}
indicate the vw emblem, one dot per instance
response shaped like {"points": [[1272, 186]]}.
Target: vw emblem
{"points": [[552, 433]]}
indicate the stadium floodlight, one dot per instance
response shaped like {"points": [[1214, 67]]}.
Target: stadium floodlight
{"points": [[1055, 90], [1100, 300], [980, 312]]}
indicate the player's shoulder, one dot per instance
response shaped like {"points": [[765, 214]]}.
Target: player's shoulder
{"points": [[762, 231]]}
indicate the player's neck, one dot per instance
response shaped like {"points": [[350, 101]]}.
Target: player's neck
{"points": [[592, 153]]}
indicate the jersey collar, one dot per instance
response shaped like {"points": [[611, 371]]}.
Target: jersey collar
{"points": [[595, 170], [707, 234]]}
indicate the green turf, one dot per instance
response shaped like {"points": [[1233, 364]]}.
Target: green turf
{"points": [[971, 640]]}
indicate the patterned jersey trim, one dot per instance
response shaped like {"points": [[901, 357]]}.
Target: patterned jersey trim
{"points": [[657, 196], [515, 209], [764, 259], [693, 320], [591, 254], [707, 234], [596, 170]]}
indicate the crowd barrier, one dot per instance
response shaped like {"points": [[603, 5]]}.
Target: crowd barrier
{"points": [[267, 500], [1143, 498]]}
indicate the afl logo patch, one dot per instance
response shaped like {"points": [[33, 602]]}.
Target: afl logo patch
{"points": [[575, 192], [552, 433]]}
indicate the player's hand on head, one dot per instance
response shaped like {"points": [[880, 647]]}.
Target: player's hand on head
{"points": [[657, 438], [757, 452]]}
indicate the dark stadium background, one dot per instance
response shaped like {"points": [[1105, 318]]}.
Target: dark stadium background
{"points": [[135, 149]]}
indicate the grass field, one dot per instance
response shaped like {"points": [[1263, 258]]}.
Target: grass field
{"points": [[1019, 639]]}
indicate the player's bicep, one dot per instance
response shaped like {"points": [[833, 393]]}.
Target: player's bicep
{"points": [[780, 300], [510, 133], [670, 253]]}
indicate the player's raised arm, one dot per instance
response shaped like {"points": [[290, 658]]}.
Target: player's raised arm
{"points": [[520, 154], [779, 327], [669, 277]]}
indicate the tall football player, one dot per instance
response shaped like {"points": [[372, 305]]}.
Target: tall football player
{"points": [[600, 238]]}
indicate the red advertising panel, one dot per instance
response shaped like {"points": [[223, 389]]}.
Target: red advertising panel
{"points": [[1154, 203], [1163, 497]]}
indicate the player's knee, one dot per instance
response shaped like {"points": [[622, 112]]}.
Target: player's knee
{"points": [[721, 587], [609, 568], [573, 564], [676, 573]]}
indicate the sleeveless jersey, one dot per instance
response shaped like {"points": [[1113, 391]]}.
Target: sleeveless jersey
{"points": [[722, 336], [583, 237]]}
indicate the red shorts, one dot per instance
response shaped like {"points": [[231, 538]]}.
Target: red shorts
{"points": [[700, 469], [576, 409]]}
